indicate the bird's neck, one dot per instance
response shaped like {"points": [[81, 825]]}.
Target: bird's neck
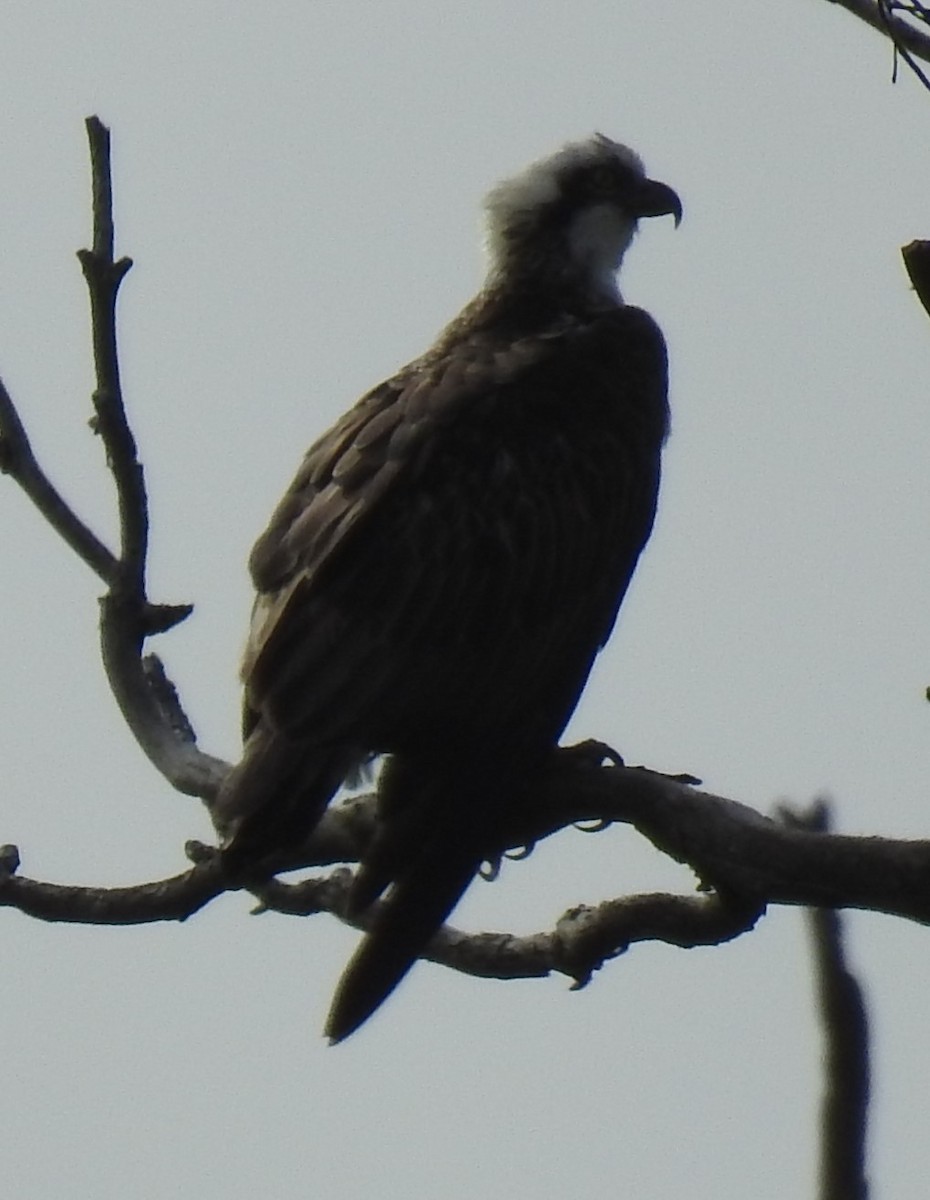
{"points": [[521, 302]]}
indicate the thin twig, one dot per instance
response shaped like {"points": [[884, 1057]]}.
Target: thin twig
{"points": [[104, 276], [893, 27], [18, 461]]}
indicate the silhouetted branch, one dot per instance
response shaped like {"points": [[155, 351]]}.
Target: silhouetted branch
{"points": [[104, 276], [744, 860], [165, 900], [147, 699], [737, 849], [731, 847], [908, 41], [18, 461], [584, 937], [126, 618], [845, 1106]]}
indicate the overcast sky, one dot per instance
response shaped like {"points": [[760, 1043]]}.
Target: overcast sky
{"points": [[299, 185]]}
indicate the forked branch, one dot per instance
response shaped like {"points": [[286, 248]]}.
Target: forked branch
{"points": [[146, 698], [900, 21]]}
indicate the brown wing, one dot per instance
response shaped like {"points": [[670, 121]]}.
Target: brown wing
{"points": [[452, 554]]}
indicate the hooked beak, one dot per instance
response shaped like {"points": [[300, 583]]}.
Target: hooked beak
{"points": [[654, 199]]}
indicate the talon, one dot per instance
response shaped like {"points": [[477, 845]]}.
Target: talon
{"points": [[520, 852], [597, 825], [490, 869]]}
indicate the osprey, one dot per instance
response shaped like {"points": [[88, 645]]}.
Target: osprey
{"points": [[450, 558]]}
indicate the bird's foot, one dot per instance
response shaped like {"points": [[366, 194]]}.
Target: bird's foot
{"points": [[589, 753]]}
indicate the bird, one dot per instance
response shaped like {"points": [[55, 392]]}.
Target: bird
{"points": [[437, 580]]}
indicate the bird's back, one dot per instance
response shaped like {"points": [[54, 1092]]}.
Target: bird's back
{"points": [[453, 553]]}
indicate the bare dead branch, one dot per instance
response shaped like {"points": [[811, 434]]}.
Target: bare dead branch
{"points": [[738, 850], [745, 861], [913, 9], [126, 617], [145, 696], [169, 745], [905, 37], [18, 461], [845, 1102], [583, 940], [844, 1021], [172, 899], [104, 276]]}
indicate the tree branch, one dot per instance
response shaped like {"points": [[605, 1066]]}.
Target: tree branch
{"points": [[844, 1021], [147, 699], [845, 1102], [126, 617], [744, 860], [583, 939], [905, 37], [172, 899], [18, 461], [733, 847], [104, 276]]}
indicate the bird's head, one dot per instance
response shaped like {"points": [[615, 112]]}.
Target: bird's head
{"points": [[574, 213]]}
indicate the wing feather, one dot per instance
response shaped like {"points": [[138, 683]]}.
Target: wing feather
{"points": [[462, 539]]}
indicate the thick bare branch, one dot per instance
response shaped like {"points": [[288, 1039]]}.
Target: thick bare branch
{"points": [[732, 847], [745, 860], [584, 938], [844, 1021], [845, 1102], [168, 744], [735, 848]]}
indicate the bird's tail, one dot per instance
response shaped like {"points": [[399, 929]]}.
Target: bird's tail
{"points": [[415, 908], [432, 841]]}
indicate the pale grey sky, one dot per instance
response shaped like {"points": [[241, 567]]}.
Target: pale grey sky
{"points": [[299, 185]]}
